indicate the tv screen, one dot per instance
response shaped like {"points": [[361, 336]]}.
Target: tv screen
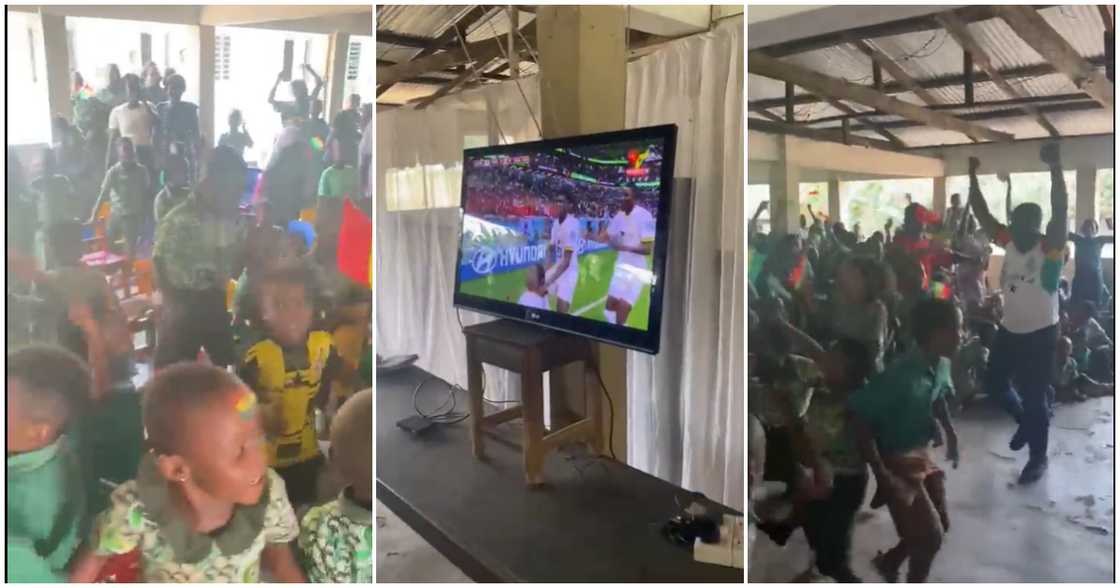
{"points": [[570, 233]]}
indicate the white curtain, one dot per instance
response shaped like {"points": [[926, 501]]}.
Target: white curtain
{"points": [[419, 159], [685, 419], [685, 406]]}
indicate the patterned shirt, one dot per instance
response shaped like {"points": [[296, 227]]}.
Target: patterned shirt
{"points": [[193, 249], [336, 542], [171, 552], [127, 188]]}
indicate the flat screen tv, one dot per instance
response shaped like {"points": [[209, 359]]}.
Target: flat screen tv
{"points": [[570, 234]]}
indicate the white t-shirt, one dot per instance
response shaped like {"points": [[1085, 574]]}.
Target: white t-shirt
{"points": [[632, 229], [1027, 305], [566, 237], [533, 300], [133, 123]]}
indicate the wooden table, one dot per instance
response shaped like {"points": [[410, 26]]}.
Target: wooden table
{"points": [[592, 519]]}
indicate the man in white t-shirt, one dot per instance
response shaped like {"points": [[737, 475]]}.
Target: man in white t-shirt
{"points": [[535, 296], [1024, 348], [563, 250], [630, 233], [133, 120]]}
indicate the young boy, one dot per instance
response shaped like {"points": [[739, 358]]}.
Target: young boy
{"points": [[1069, 383], [534, 296], [46, 517], [204, 507], [55, 204], [291, 370], [336, 539], [340, 180], [176, 181], [237, 137], [126, 186], [892, 419]]}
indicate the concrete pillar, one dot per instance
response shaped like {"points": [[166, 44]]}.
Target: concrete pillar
{"points": [[582, 53], [337, 52], [206, 104], [834, 208], [57, 62], [939, 197], [785, 195], [1085, 206]]}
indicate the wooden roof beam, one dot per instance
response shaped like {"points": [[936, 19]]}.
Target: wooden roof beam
{"points": [[959, 30], [451, 35], [828, 86], [1050, 44], [831, 135], [482, 51], [1012, 112], [451, 86], [848, 110], [895, 87], [896, 71]]}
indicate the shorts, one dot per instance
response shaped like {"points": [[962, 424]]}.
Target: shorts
{"points": [[565, 287], [626, 284], [124, 227], [302, 480]]}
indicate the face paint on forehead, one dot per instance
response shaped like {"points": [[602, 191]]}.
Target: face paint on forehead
{"points": [[245, 404]]}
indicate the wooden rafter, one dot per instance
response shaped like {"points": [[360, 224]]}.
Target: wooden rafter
{"points": [[467, 75], [992, 104], [894, 87], [482, 51], [1050, 44], [988, 115], [451, 35], [1106, 16], [862, 117], [403, 40], [896, 71], [959, 30], [823, 85], [832, 135]]}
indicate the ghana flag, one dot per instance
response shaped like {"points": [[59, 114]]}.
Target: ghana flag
{"points": [[355, 245]]}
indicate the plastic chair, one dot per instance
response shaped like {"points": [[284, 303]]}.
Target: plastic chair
{"points": [[231, 289], [307, 215]]}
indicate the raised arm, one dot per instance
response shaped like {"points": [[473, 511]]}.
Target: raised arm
{"points": [[752, 227], [976, 200], [1057, 231], [1007, 198], [318, 81]]}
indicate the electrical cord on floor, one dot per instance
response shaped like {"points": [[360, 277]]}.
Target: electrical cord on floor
{"points": [[445, 414], [610, 404]]}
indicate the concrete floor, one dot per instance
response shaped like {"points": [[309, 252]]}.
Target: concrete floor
{"points": [[1058, 530], [403, 556]]}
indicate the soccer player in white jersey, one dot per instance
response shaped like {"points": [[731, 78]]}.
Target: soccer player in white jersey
{"points": [[630, 232], [563, 250]]}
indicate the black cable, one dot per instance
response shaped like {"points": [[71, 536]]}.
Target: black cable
{"points": [[440, 415], [610, 404]]}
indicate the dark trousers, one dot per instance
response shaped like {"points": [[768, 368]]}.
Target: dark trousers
{"points": [[191, 320], [828, 525], [1027, 361]]}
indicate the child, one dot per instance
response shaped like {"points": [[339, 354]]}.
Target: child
{"points": [[126, 186], [204, 507], [534, 296], [46, 519], [892, 418], [340, 180], [1069, 383], [55, 204], [336, 539], [237, 137], [1092, 347], [176, 181], [290, 370]]}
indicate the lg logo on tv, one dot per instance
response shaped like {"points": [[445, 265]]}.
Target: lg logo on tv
{"points": [[533, 315]]}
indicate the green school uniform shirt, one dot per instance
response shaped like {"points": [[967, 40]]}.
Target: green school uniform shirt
{"points": [[46, 514], [336, 542], [339, 182], [128, 189], [194, 250], [898, 403]]}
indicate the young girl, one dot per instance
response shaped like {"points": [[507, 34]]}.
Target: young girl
{"points": [[203, 507]]}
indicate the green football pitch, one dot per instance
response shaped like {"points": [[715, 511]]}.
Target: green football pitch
{"points": [[589, 301]]}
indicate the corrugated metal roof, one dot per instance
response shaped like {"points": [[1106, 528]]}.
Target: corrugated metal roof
{"points": [[935, 54], [420, 20]]}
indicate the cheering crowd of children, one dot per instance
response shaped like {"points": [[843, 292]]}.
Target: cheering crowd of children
{"points": [[863, 349], [213, 469]]}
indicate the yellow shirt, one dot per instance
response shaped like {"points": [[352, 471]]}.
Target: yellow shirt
{"points": [[290, 392]]}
